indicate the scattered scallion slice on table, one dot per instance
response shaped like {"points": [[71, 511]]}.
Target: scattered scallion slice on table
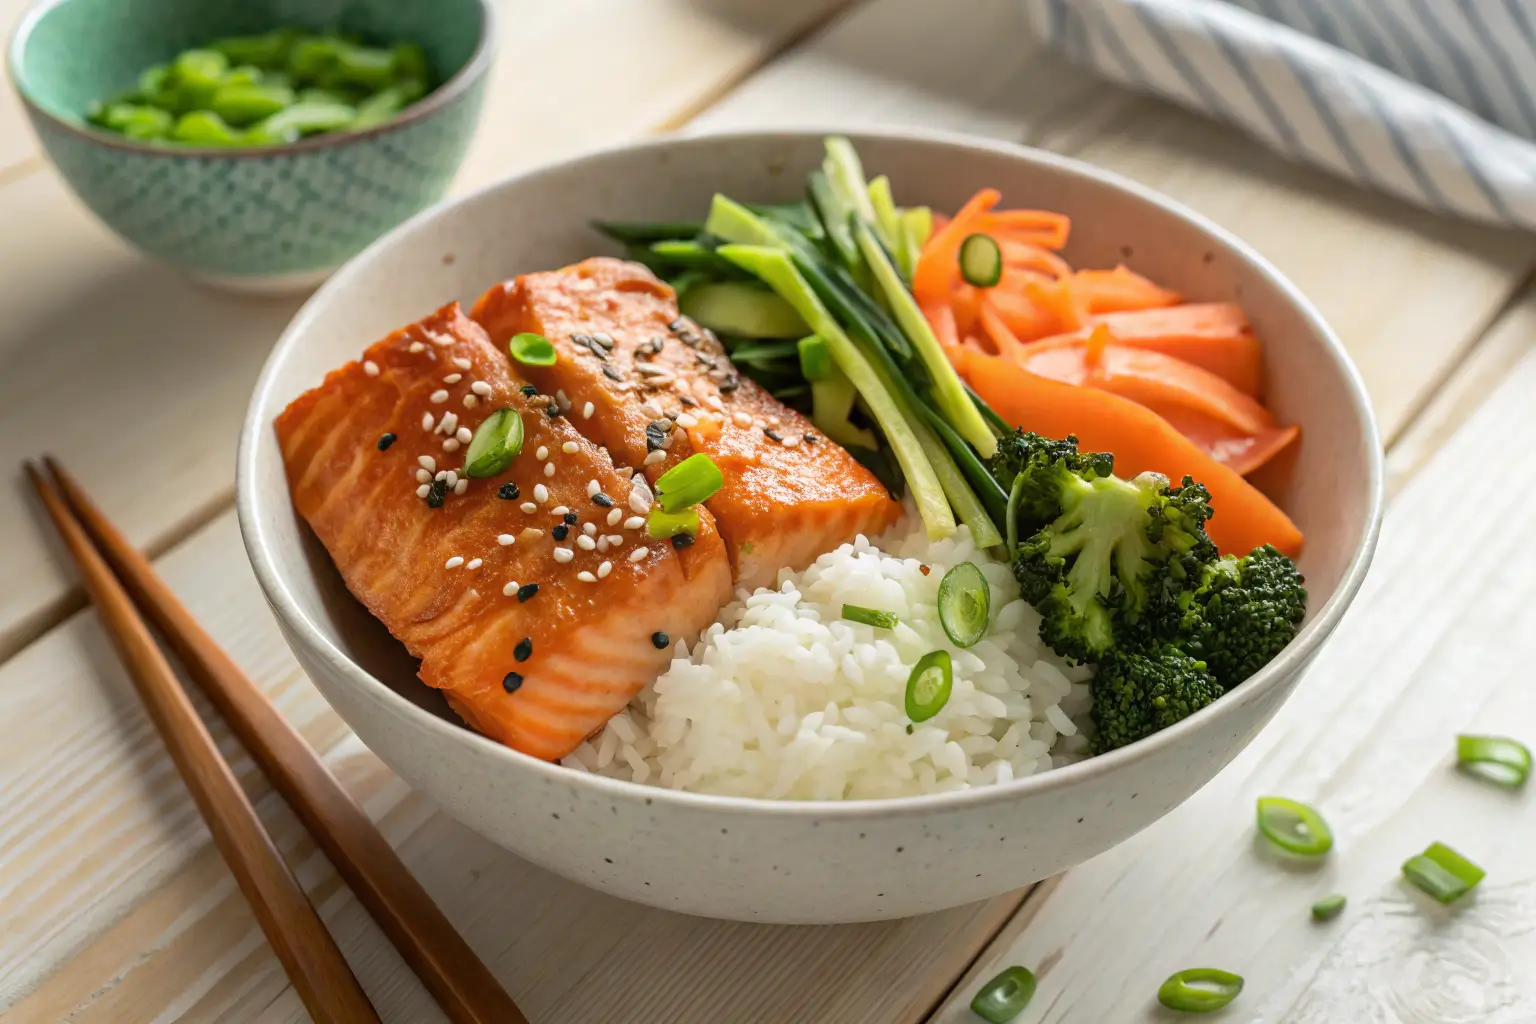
{"points": [[495, 444], [661, 524], [1294, 827], [981, 261], [929, 684], [1199, 990], [965, 604], [532, 349], [870, 616], [1496, 759], [691, 482], [1328, 908], [1005, 996], [1442, 873]]}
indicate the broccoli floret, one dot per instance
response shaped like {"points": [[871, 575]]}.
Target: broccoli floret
{"points": [[1136, 694], [1243, 613], [1094, 550]]}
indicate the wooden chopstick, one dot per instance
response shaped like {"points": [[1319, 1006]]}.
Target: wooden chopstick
{"points": [[315, 966], [447, 966]]}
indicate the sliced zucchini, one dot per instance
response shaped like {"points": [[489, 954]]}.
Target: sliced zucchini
{"points": [[981, 261]]}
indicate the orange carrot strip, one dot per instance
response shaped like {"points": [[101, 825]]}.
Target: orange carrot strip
{"points": [[1051, 228], [1022, 255], [1007, 344], [1110, 291], [1060, 300], [1027, 319], [942, 319], [1244, 453], [939, 263], [1140, 440], [967, 306]]}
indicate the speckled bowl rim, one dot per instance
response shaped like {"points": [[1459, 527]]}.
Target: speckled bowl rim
{"points": [[474, 68], [257, 433]]}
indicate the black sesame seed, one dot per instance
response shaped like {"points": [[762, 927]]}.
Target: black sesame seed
{"points": [[612, 374], [688, 400], [386, 441], [660, 640], [436, 495], [909, 729], [808, 437], [511, 681], [524, 649], [526, 591], [682, 540], [730, 384], [571, 518], [508, 491], [773, 435], [580, 339], [677, 325], [553, 409], [561, 531], [529, 390], [602, 499]]}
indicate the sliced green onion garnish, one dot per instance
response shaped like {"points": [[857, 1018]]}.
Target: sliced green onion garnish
{"points": [[1328, 908], [689, 483], [870, 616], [532, 349], [661, 524], [981, 261], [1294, 827], [965, 603], [1005, 996], [1496, 759], [815, 358], [1199, 990], [928, 686], [496, 443], [1442, 872]]}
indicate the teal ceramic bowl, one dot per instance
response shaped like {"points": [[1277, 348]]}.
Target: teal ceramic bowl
{"points": [[263, 219]]}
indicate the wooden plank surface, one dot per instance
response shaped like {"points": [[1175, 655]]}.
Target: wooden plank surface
{"points": [[140, 377]]}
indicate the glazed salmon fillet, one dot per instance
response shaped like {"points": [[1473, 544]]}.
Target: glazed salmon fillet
{"points": [[653, 388], [534, 598]]}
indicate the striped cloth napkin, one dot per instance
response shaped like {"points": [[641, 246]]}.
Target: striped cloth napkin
{"points": [[1433, 101]]}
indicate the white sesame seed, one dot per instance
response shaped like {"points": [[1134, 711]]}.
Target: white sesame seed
{"points": [[426, 421], [427, 463], [481, 388], [464, 434], [450, 422], [509, 589], [602, 338], [371, 368], [570, 447], [416, 346], [615, 540], [651, 409], [639, 553], [453, 478], [470, 401], [586, 543], [685, 420], [438, 397], [587, 411], [451, 445], [563, 400], [625, 471], [666, 442], [741, 419], [614, 515], [540, 493], [549, 469], [454, 562], [461, 486], [423, 490], [604, 569], [593, 488], [542, 453], [602, 544], [655, 457], [453, 378], [529, 533], [634, 522], [640, 497], [713, 401], [590, 529], [559, 510], [442, 474], [461, 362], [506, 540], [423, 477], [474, 563], [563, 555], [586, 577], [530, 507]]}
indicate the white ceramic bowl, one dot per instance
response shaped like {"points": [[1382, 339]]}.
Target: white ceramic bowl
{"points": [[761, 860]]}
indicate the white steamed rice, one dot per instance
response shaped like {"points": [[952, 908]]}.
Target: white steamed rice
{"points": [[784, 699]]}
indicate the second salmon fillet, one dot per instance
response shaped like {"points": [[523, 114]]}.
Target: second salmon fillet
{"points": [[653, 388]]}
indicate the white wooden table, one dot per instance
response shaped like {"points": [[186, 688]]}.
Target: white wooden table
{"points": [[114, 906]]}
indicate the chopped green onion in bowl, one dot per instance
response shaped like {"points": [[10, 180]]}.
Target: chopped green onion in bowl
{"points": [[1199, 990], [1004, 997], [691, 482], [965, 604], [1294, 827], [494, 445], [870, 616], [1496, 759], [661, 524], [1328, 908], [532, 349], [929, 685], [1442, 873]]}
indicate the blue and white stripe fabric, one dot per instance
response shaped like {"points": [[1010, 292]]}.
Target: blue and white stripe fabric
{"points": [[1433, 101]]}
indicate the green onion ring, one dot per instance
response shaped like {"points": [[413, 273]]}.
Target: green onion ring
{"points": [[1496, 759], [1199, 990], [1294, 827]]}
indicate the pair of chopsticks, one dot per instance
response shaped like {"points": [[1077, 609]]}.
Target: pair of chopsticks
{"points": [[122, 583]]}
